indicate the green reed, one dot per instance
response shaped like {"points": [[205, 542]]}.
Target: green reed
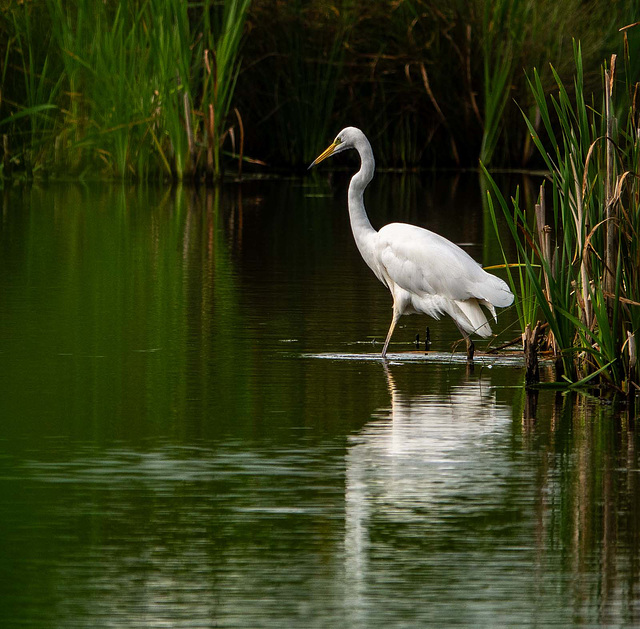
{"points": [[220, 69], [170, 39], [35, 89], [135, 82], [521, 274], [503, 32], [584, 267]]}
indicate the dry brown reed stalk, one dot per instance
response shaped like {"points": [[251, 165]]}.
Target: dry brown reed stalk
{"points": [[610, 251], [209, 122], [531, 338], [189, 130], [443, 119], [241, 148], [544, 250]]}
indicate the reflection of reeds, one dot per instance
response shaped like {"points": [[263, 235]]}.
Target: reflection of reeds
{"points": [[586, 503], [588, 288]]}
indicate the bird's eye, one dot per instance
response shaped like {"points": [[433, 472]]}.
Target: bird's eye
{"points": [[337, 141]]}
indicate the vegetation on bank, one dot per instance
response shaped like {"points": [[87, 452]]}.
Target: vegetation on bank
{"points": [[150, 89], [579, 248], [140, 89]]}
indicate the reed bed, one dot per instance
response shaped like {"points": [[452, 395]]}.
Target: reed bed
{"points": [[171, 89], [433, 84], [579, 247], [119, 89]]}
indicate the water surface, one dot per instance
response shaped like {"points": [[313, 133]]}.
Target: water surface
{"points": [[197, 432]]}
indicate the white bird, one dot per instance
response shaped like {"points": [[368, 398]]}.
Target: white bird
{"points": [[425, 272]]}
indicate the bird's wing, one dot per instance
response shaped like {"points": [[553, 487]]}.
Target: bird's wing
{"points": [[422, 262]]}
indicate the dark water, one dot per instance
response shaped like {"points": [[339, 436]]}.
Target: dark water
{"points": [[187, 440]]}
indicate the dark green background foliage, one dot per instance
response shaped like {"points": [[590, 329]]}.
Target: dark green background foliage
{"points": [[169, 89]]}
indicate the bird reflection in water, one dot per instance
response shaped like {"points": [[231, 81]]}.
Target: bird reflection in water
{"points": [[413, 471]]}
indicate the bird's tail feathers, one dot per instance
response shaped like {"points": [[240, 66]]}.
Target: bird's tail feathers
{"points": [[471, 318]]}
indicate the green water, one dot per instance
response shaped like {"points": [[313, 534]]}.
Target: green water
{"points": [[194, 431]]}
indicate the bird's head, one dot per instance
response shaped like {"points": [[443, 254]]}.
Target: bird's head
{"points": [[346, 139]]}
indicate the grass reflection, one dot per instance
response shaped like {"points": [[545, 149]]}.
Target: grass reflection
{"points": [[114, 295], [587, 506]]}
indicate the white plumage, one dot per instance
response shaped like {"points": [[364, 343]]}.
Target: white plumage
{"points": [[425, 272]]}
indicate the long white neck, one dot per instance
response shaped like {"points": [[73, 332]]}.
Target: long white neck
{"points": [[360, 225]]}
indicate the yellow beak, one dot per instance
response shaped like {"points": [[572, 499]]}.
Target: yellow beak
{"points": [[324, 155]]}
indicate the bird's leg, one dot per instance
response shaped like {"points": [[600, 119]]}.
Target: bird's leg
{"points": [[470, 346], [396, 316]]}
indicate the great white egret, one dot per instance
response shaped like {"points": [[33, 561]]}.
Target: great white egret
{"points": [[425, 272]]}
